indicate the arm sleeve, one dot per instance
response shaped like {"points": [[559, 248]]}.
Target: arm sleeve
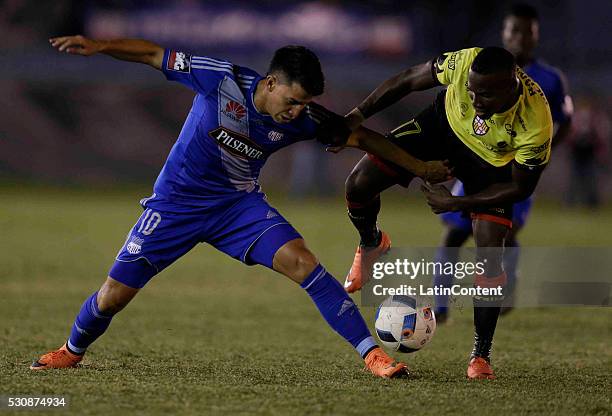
{"points": [[535, 154], [449, 66], [201, 74]]}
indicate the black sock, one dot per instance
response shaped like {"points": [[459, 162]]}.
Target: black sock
{"points": [[485, 321], [363, 216], [486, 312]]}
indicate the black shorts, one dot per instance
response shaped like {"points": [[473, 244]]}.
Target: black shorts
{"points": [[429, 137]]}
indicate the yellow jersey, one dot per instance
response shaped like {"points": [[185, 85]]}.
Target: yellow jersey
{"points": [[522, 133]]}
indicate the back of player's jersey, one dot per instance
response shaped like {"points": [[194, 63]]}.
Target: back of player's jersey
{"points": [[224, 141]]}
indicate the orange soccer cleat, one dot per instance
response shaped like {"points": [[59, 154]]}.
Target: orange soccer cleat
{"points": [[381, 365], [61, 358], [480, 369], [361, 270]]}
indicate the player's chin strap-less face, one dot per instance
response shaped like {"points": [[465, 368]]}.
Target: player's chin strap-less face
{"points": [[492, 93], [284, 101]]}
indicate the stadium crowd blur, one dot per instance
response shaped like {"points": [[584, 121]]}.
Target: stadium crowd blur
{"points": [[88, 121]]}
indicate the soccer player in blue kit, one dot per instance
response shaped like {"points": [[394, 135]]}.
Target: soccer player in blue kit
{"points": [[520, 35], [208, 189]]}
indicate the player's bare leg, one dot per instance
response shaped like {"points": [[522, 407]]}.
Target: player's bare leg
{"points": [[489, 238], [363, 187], [297, 262], [93, 319], [113, 296]]}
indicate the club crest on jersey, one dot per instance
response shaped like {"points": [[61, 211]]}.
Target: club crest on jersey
{"points": [[237, 144], [275, 136], [179, 61], [234, 110], [480, 126]]}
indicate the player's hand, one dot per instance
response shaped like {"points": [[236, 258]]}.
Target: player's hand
{"points": [[437, 171], [334, 133], [438, 198], [76, 45]]}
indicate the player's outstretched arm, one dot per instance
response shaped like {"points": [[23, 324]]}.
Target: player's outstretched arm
{"points": [[132, 50], [336, 135], [374, 143], [416, 78]]}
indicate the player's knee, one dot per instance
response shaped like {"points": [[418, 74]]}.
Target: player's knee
{"points": [[295, 260], [113, 296], [355, 187], [304, 262]]}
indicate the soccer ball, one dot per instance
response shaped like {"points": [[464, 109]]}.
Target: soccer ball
{"points": [[403, 324]]}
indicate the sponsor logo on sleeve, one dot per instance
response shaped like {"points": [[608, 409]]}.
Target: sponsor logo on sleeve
{"points": [[179, 61], [532, 87], [539, 149], [237, 144], [439, 65], [440, 62], [452, 60]]}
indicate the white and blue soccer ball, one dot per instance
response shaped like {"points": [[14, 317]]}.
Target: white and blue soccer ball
{"points": [[404, 324]]}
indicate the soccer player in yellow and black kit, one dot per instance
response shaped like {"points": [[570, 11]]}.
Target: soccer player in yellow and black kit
{"points": [[493, 125]]}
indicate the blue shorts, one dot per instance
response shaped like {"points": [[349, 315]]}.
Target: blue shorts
{"points": [[247, 229], [462, 221]]}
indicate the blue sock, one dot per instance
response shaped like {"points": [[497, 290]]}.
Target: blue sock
{"points": [[443, 255], [338, 309], [89, 324]]}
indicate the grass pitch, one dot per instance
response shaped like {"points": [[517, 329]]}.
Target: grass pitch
{"points": [[211, 336]]}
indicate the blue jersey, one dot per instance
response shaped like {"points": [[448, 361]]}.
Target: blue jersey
{"points": [[224, 141], [553, 85]]}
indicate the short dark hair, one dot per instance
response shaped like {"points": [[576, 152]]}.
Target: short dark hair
{"points": [[299, 64], [523, 10], [492, 60]]}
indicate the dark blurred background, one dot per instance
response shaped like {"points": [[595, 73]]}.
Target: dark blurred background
{"points": [[68, 120]]}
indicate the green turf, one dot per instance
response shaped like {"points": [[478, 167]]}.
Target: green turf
{"points": [[210, 335]]}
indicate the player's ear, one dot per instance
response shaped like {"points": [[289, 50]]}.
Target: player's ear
{"points": [[271, 81]]}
